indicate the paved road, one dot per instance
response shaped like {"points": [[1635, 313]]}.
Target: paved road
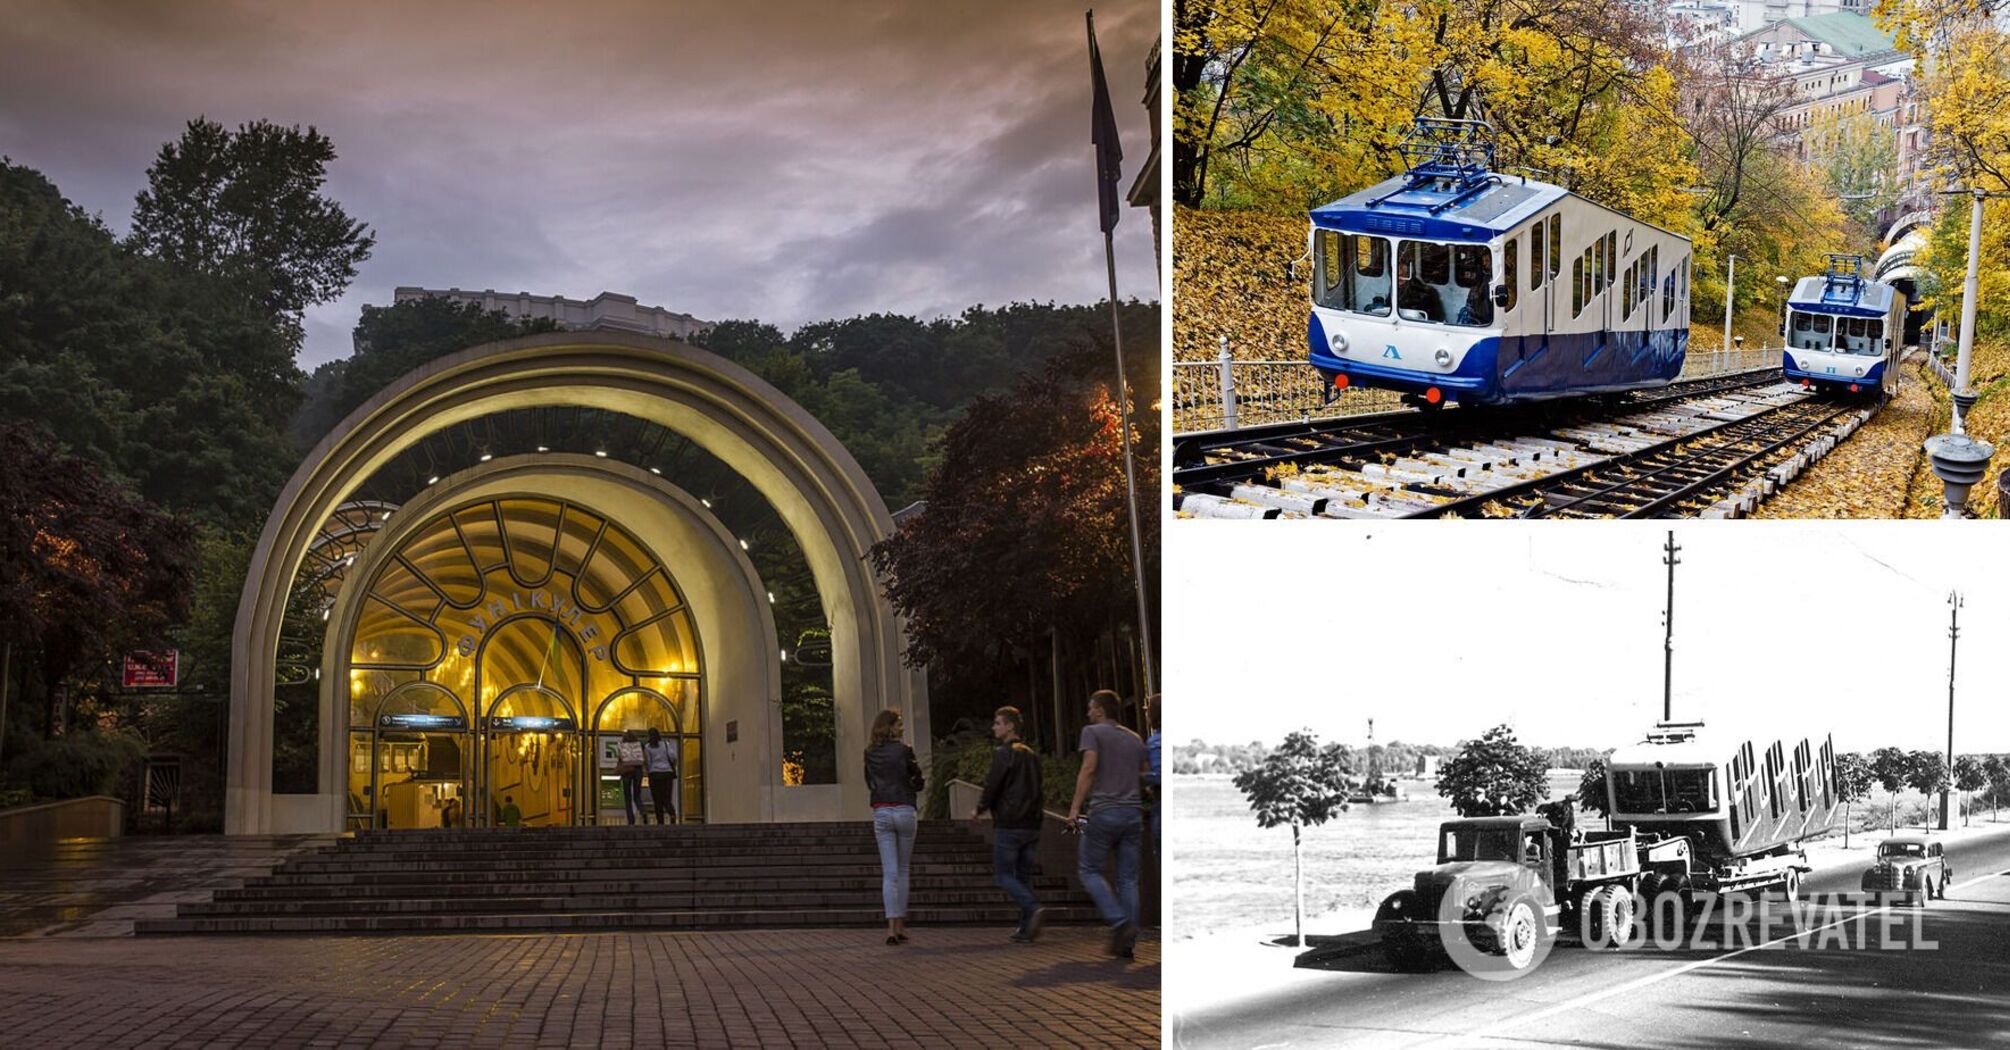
{"points": [[1956, 994], [949, 987]]}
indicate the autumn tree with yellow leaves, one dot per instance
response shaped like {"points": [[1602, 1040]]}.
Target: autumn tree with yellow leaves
{"points": [[1281, 105]]}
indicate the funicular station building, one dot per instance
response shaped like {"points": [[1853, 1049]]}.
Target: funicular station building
{"points": [[508, 558]]}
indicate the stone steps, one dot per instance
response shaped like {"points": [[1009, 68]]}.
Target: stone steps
{"points": [[395, 886], [581, 922], [513, 902], [679, 877]]}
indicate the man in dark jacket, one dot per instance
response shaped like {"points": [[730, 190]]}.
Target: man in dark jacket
{"points": [[1014, 797]]}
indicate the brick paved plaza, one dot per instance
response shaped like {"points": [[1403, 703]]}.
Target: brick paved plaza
{"points": [[950, 987]]}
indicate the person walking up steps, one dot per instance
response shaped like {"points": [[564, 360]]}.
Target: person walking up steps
{"points": [[1014, 796], [1113, 759], [895, 779], [629, 763], [660, 756]]}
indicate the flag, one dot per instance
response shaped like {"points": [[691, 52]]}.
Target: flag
{"points": [[1103, 132]]}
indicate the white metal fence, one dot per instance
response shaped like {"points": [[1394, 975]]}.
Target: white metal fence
{"points": [[1225, 394]]}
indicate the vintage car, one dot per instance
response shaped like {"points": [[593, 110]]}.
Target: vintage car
{"points": [[1912, 865]]}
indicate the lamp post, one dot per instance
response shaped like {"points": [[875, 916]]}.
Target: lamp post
{"points": [[1959, 461], [1730, 282], [1964, 398], [1786, 292]]}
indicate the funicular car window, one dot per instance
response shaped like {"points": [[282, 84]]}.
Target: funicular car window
{"points": [[1472, 280], [1479, 844], [1353, 273]]}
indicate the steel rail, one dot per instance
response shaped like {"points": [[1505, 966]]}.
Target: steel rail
{"points": [[1269, 446]]}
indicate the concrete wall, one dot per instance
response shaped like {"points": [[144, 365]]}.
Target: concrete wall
{"points": [[96, 817]]}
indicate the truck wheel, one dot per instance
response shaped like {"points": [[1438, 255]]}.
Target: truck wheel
{"points": [[1790, 887], [1521, 932], [1619, 912], [1594, 909]]}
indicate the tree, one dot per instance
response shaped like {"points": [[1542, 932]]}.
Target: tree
{"points": [[1998, 771], [167, 380], [1298, 785], [1853, 782], [1969, 775], [1926, 773], [391, 341], [1591, 795], [1857, 156], [247, 206], [86, 568], [1027, 494], [1889, 767], [1494, 776]]}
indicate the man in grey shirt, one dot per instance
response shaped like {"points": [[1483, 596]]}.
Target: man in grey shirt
{"points": [[1112, 759]]}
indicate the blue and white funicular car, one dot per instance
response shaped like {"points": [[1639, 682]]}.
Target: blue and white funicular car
{"points": [[1843, 330], [1454, 282]]}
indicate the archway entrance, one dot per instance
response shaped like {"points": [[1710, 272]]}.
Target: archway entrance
{"points": [[550, 624], [448, 432]]}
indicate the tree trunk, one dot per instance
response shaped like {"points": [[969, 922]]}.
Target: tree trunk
{"points": [[1845, 825], [1298, 882]]}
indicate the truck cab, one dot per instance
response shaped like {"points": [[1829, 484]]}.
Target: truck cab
{"points": [[1495, 880]]}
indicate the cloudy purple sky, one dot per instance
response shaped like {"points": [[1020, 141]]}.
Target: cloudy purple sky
{"points": [[784, 161]]}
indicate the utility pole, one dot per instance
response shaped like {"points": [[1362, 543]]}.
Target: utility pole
{"points": [[1953, 640], [1668, 636]]}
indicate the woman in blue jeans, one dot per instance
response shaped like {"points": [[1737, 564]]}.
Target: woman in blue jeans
{"points": [[895, 779]]}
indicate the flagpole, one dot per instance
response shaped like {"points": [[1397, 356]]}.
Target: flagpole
{"points": [[1123, 391]]}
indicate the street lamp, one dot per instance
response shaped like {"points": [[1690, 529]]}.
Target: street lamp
{"points": [[1786, 291], [1959, 461], [1730, 281]]}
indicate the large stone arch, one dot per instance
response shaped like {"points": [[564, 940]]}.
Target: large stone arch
{"points": [[809, 478]]}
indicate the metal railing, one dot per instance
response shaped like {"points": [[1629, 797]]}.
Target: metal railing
{"points": [[1226, 394]]}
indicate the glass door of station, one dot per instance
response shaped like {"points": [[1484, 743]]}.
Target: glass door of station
{"points": [[530, 769], [409, 764]]}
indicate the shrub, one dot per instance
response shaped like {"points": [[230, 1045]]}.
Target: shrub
{"points": [[78, 764], [968, 757]]}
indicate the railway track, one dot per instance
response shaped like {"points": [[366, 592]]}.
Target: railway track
{"points": [[1710, 448]]}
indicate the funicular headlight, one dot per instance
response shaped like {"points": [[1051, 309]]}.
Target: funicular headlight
{"points": [[1339, 342], [1443, 357]]}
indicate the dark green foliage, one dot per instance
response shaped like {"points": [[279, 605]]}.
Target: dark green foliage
{"points": [[393, 340], [966, 755], [169, 380], [1494, 776], [809, 729], [75, 765], [246, 206]]}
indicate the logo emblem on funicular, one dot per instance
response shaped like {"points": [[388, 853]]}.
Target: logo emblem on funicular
{"points": [[1391, 352]]}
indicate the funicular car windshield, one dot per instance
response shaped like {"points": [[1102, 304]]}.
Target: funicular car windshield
{"points": [[1862, 336], [1664, 791], [1478, 844], [1352, 273], [1809, 331], [1445, 283]]}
